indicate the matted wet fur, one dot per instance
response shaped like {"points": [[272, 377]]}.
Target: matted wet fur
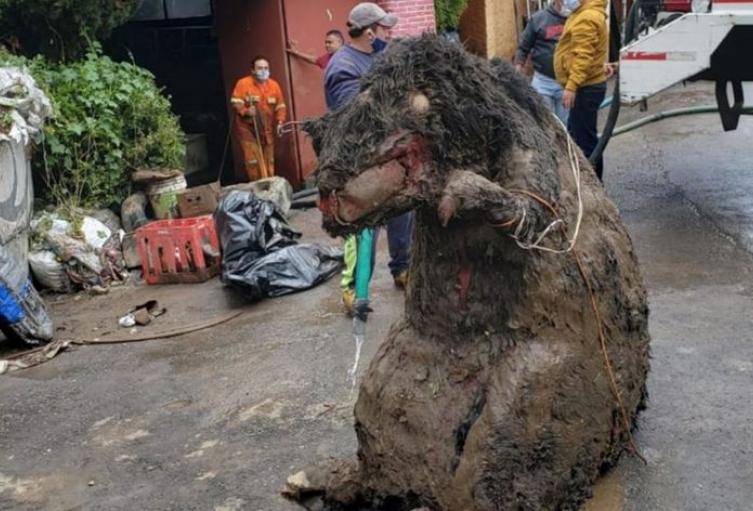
{"points": [[491, 392]]}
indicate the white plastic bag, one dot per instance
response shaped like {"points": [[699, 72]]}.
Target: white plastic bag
{"points": [[48, 271]]}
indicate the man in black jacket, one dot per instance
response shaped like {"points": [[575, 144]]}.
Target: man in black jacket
{"points": [[540, 38]]}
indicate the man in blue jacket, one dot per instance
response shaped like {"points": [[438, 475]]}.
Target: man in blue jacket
{"points": [[540, 39], [369, 28]]}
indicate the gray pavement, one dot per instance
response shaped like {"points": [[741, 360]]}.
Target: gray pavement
{"points": [[685, 191], [216, 420]]}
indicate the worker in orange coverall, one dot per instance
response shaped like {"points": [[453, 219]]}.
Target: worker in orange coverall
{"points": [[260, 111]]}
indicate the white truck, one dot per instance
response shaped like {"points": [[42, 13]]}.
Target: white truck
{"points": [[671, 41]]}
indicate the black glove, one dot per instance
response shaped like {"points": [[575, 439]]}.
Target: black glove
{"points": [[361, 310]]}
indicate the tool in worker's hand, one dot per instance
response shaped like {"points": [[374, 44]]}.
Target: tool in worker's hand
{"points": [[289, 127], [255, 121]]}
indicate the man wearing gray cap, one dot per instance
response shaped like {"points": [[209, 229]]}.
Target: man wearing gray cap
{"points": [[369, 28]]}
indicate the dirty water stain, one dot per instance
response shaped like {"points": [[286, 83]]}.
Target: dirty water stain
{"points": [[178, 404], [49, 371], [182, 359], [231, 504], [18, 488], [184, 364], [332, 306], [195, 454], [109, 433], [102, 422], [268, 409], [200, 451], [608, 494], [34, 491], [140, 433], [163, 353]]}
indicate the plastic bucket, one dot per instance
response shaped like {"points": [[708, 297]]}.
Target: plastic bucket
{"points": [[163, 196]]}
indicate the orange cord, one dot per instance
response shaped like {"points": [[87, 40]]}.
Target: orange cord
{"points": [[607, 362], [538, 198], [535, 197], [509, 223], [599, 320]]}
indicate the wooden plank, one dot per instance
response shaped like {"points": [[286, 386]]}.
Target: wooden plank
{"points": [[503, 29]]}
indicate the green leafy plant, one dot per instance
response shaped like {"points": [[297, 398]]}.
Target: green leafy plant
{"points": [[6, 121], [110, 118], [59, 29], [448, 13]]}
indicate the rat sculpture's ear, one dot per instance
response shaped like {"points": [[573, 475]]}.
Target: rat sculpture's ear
{"points": [[419, 103]]}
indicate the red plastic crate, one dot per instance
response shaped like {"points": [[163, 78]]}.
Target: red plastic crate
{"points": [[179, 251]]}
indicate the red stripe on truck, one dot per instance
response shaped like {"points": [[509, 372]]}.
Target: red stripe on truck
{"points": [[645, 55]]}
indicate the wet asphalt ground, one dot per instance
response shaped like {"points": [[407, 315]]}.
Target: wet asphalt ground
{"points": [[216, 420]]}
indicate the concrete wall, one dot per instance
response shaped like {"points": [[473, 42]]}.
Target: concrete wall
{"points": [[416, 16]]}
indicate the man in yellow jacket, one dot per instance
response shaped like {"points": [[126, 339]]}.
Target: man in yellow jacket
{"points": [[579, 65]]}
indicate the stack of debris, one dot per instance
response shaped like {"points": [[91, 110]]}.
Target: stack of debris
{"points": [[81, 250], [165, 229], [181, 244], [23, 110]]}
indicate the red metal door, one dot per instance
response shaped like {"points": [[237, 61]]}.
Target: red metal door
{"points": [[306, 24], [246, 28]]}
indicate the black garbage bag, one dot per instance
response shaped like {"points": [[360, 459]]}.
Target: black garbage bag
{"points": [[260, 253]]}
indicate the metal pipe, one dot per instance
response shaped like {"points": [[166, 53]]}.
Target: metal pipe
{"points": [[305, 193], [668, 114], [614, 109], [303, 203]]}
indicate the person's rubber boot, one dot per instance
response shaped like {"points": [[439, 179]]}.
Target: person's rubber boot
{"points": [[400, 279], [349, 300]]}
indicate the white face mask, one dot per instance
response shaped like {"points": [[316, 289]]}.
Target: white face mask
{"points": [[568, 6]]}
